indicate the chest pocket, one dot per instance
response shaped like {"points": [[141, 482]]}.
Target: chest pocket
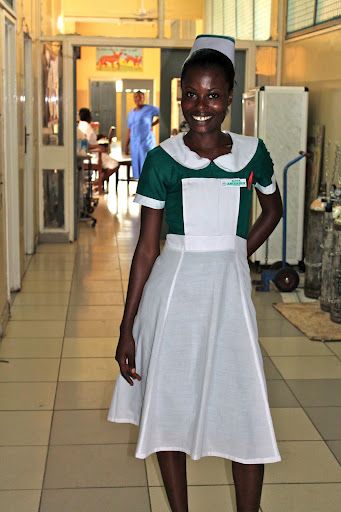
{"points": [[210, 207]]}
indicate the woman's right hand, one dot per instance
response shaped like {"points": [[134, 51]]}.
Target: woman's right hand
{"points": [[125, 356]]}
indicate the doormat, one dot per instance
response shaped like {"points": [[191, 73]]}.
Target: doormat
{"points": [[310, 320]]}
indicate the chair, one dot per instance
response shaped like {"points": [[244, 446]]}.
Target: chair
{"points": [[100, 172]]}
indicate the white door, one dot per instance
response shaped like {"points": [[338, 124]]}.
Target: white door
{"points": [[29, 178], [3, 242], [10, 155]]}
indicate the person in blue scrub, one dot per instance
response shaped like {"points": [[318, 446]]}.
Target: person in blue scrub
{"points": [[140, 136]]}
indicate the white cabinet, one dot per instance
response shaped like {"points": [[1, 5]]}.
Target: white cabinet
{"points": [[279, 116]]}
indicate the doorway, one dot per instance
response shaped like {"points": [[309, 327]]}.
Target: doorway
{"points": [[28, 164], [103, 104]]}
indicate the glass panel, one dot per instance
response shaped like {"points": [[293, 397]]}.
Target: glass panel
{"points": [[218, 17], [300, 14], [10, 3], [245, 19], [262, 21], [266, 65], [327, 10], [52, 94], [53, 183], [230, 18]]}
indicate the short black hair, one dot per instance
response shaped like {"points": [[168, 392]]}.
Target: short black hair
{"points": [[208, 58], [85, 115]]}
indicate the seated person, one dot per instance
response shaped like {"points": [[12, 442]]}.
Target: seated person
{"points": [[109, 164]]}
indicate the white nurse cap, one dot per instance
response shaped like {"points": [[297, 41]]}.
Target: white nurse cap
{"points": [[222, 44]]}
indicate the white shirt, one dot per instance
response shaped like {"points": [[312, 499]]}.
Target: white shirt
{"points": [[88, 131]]}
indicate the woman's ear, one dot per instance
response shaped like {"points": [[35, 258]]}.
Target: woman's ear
{"points": [[230, 98]]}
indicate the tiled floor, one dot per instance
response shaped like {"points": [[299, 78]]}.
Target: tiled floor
{"points": [[57, 451]]}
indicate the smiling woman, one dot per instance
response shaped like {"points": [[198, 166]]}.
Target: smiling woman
{"points": [[191, 368]]}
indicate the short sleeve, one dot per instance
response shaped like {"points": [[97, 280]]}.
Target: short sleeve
{"points": [[155, 112], [264, 178], [151, 189]]}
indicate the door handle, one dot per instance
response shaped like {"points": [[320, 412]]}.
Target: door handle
{"points": [[26, 137]]}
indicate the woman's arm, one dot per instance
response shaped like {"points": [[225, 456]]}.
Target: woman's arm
{"points": [[154, 123], [146, 252], [126, 147], [267, 221]]}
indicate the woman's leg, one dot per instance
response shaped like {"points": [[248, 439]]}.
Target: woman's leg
{"points": [[248, 481], [173, 470]]}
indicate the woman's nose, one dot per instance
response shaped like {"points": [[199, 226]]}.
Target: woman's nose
{"points": [[201, 101]]}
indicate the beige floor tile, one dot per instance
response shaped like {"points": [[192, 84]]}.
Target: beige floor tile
{"points": [[292, 424], [201, 499], [48, 275], [46, 287], [304, 462], [22, 467], [25, 428], [301, 498], [29, 370], [82, 298], [277, 327], [107, 286], [35, 329], [56, 258], [27, 396], [20, 501], [94, 466], [30, 347], [280, 394], [105, 250], [134, 499], [95, 313], [95, 328], [57, 248], [87, 257], [41, 299], [37, 312], [89, 347], [309, 367], [97, 275], [90, 427], [206, 471], [83, 395], [292, 346], [90, 369], [335, 347], [85, 264], [47, 264]]}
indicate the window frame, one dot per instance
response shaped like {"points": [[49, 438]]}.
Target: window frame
{"points": [[317, 25]]}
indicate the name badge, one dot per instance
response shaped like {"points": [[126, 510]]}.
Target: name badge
{"points": [[234, 182]]}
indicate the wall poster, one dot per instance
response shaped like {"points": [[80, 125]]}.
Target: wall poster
{"points": [[119, 59]]}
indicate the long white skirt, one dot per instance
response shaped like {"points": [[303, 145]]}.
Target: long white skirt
{"points": [[203, 389]]}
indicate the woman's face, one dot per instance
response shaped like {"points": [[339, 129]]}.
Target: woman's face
{"points": [[205, 98], [139, 99]]}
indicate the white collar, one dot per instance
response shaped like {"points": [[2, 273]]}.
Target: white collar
{"points": [[243, 150]]}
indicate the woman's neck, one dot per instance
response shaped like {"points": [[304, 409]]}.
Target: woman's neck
{"points": [[209, 145]]}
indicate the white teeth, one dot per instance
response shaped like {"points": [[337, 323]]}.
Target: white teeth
{"points": [[201, 118]]}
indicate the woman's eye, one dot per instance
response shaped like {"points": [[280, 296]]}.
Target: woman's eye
{"points": [[190, 94], [213, 96]]}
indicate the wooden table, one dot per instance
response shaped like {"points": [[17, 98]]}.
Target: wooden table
{"points": [[124, 160]]}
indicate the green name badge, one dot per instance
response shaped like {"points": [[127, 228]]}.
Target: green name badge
{"points": [[234, 182]]}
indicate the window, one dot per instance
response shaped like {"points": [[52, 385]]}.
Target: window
{"points": [[241, 19], [303, 14]]}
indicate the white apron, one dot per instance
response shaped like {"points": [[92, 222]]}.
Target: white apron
{"points": [[203, 390]]}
